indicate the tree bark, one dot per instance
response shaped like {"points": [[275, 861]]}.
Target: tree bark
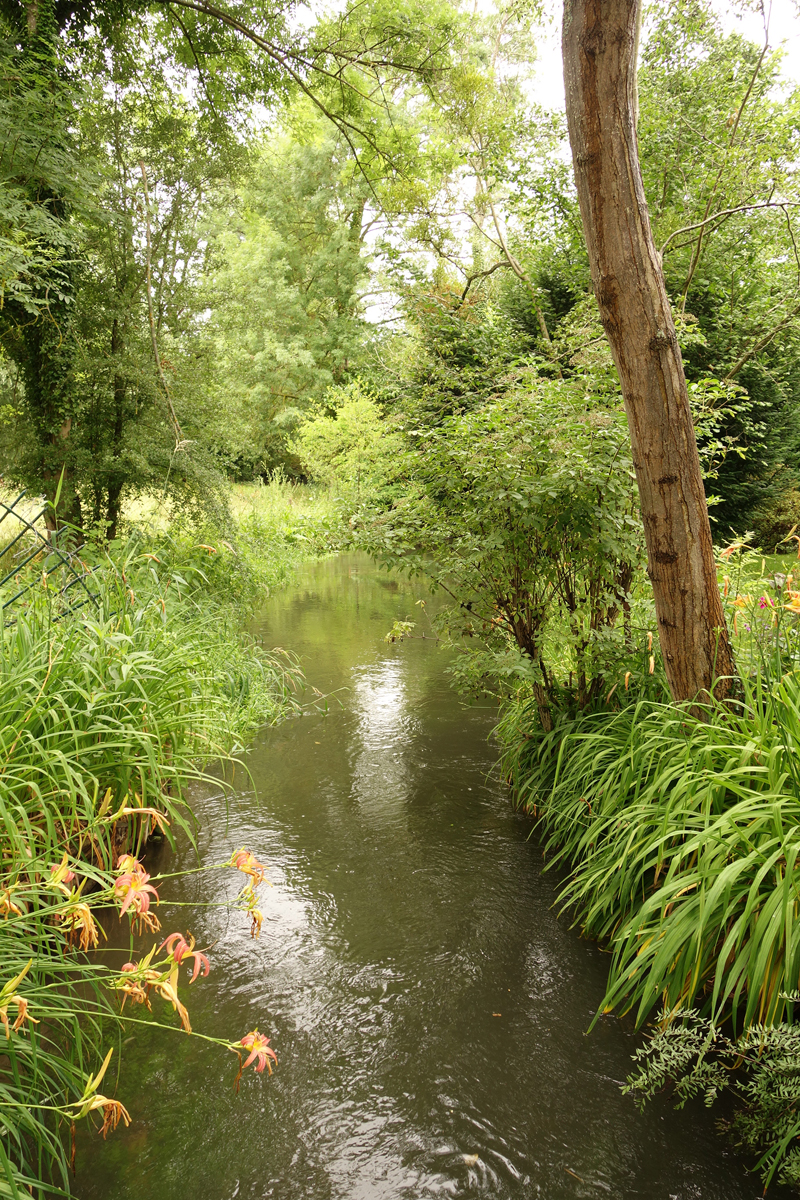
{"points": [[599, 43]]}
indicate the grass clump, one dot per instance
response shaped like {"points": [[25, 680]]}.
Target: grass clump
{"points": [[681, 838], [280, 525]]}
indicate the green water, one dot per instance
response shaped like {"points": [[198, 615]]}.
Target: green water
{"points": [[408, 909]]}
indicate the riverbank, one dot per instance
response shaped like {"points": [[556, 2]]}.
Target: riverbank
{"points": [[677, 839], [124, 677]]}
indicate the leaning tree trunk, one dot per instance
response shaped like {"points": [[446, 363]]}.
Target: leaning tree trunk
{"points": [[599, 47]]}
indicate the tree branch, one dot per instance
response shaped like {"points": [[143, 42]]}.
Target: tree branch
{"points": [[727, 212], [482, 275], [761, 343], [717, 181]]}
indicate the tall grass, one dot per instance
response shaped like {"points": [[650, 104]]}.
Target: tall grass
{"points": [[680, 834], [280, 524], [108, 712], [681, 841], [677, 833]]}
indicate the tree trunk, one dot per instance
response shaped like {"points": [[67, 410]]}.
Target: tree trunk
{"points": [[116, 474], [599, 47]]}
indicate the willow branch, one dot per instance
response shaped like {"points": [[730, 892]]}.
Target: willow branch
{"points": [[482, 275], [522, 275], [761, 343]]}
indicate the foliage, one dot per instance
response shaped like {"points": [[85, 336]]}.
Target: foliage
{"points": [[454, 355], [285, 291], [171, 93], [348, 446], [522, 511], [280, 525], [775, 519], [36, 243], [681, 832], [718, 136], [760, 1067]]}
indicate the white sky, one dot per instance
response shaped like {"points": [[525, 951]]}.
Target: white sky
{"points": [[784, 27]]}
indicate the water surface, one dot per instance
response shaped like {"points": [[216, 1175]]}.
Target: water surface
{"points": [[428, 1009]]}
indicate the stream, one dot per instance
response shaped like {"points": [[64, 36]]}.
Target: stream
{"points": [[428, 1008]]}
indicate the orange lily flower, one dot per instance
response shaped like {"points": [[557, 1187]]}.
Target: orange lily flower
{"points": [[260, 1053], [60, 876], [82, 926], [126, 862], [133, 889], [9, 996], [178, 948], [167, 989], [7, 905], [248, 864], [137, 988], [113, 1113], [91, 1101]]}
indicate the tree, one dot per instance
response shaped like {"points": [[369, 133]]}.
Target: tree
{"points": [[227, 59], [600, 42], [521, 511], [122, 437], [717, 132], [36, 323], [285, 292]]}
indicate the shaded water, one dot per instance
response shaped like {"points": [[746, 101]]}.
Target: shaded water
{"points": [[428, 1009]]}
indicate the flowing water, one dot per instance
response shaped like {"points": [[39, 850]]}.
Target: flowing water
{"points": [[428, 1008]]}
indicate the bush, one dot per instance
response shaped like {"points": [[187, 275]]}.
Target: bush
{"points": [[348, 446], [761, 1068], [775, 519], [523, 513]]}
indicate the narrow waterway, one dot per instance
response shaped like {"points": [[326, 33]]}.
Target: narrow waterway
{"points": [[428, 1009]]}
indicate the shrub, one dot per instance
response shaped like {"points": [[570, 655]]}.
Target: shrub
{"points": [[760, 1067], [348, 446], [523, 513], [775, 518]]}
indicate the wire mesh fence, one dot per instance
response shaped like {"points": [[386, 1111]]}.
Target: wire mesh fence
{"points": [[61, 566]]}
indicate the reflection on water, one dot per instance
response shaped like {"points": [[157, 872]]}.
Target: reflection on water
{"points": [[428, 1009]]}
